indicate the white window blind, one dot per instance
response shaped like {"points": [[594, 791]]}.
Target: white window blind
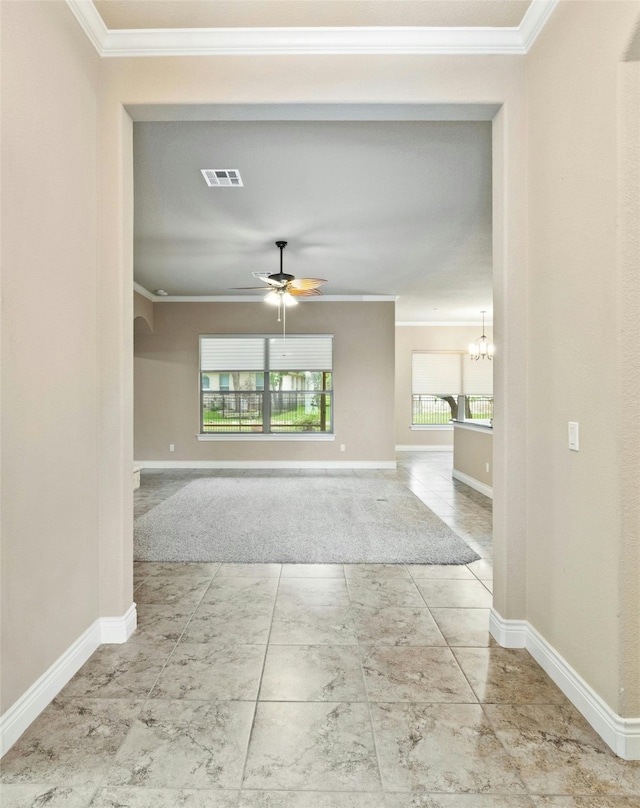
{"points": [[231, 353], [301, 353], [477, 377], [436, 374]]}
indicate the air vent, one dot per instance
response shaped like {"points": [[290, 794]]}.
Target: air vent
{"points": [[222, 177]]}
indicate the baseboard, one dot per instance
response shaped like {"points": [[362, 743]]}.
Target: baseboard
{"points": [[29, 706], [621, 734], [508, 633], [422, 447], [118, 629], [267, 464], [487, 490]]}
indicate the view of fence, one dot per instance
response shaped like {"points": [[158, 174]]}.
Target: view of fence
{"points": [[291, 411], [232, 412], [434, 410]]}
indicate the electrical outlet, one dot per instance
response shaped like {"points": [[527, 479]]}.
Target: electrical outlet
{"points": [[172, 447], [342, 447]]}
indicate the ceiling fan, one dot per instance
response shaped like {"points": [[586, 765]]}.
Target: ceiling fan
{"points": [[285, 288]]}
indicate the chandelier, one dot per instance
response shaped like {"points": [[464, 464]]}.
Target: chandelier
{"points": [[481, 347]]}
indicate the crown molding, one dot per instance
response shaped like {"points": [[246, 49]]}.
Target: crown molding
{"points": [[144, 292], [438, 323], [258, 298], [311, 41]]}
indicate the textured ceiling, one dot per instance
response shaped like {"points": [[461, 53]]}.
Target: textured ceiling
{"points": [[377, 208], [309, 13]]}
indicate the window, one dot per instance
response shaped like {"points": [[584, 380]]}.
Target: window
{"points": [[444, 381], [266, 385]]}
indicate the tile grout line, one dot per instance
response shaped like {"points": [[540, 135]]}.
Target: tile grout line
{"points": [[101, 784], [259, 688]]}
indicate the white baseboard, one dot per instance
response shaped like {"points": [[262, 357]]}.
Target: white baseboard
{"points": [[621, 734], [29, 706], [267, 464], [422, 447], [487, 490], [118, 629]]}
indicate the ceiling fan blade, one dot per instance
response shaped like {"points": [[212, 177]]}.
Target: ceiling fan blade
{"points": [[303, 292], [306, 283], [274, 282], [259, 288]]}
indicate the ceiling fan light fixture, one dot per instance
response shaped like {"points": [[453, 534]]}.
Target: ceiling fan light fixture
{"points": [[273, 298]]}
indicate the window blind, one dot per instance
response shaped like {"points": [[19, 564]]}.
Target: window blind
{"points": [[231, 353], [436, 374], [301, 353], [477, 377]]}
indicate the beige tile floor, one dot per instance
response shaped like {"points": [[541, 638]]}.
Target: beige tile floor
{"points": [[332, 686]]}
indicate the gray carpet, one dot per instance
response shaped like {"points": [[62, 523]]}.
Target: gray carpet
{"points": [[297, 520]]}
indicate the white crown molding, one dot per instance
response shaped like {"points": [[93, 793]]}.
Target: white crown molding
{"points": [[145, 292], [29, 706], [91, 23], [446, 323], [309, 41], [534, 21], [621, 734], [258, 298]]}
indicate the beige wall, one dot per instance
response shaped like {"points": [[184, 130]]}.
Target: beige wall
{"points": [[166, 381], [574, 335], [425, 338], [50, 98], [142, 314], [472, 450], [581, 596]]}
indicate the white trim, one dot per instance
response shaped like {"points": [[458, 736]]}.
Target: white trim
{"points": [[321, 40], [267, 464], [444, 323], [473, 426], [507, 633], [260, 299], [29, 706], [91, 23], [257, 298], [534, 21], [621, 734], [258, 437], [144, 292], [420, 447], [483, 488], [118, 629], [431, 427]]}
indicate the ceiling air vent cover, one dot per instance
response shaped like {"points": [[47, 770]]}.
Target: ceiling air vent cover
{"points": [[222, 177]]}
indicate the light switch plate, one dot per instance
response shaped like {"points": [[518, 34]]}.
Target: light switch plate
{"points": [[574, 436]]}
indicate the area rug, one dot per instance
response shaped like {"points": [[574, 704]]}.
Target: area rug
{"points": [[297, 520]]}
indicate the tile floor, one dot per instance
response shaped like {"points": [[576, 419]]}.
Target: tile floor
{"points": [[355, 686]]}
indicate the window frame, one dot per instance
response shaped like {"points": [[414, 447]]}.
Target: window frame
{"points": [[265, 392], [460, 396]]}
